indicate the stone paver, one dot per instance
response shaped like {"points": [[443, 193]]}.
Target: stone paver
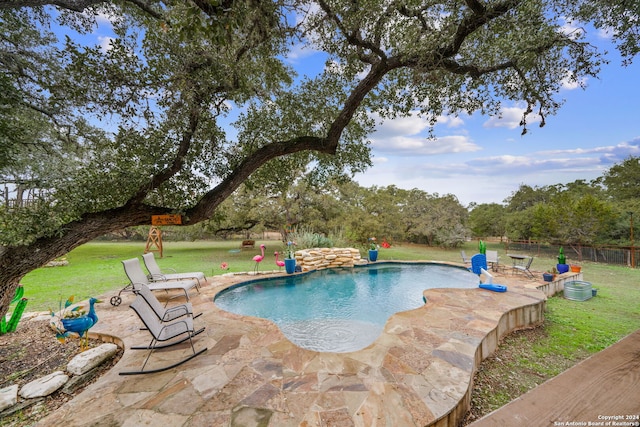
{"points": [[417, 373]]}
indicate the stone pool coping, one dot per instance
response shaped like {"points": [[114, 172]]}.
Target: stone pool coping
{"points": [[418, 373]]}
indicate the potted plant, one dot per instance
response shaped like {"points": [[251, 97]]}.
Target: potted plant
{"points": [[373, 249], [575, 268], [548, 276], [290, 260], [562, 265]]}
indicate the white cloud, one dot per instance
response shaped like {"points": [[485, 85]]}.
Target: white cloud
{"points": [[300, 51], [105, 19], [379, 160], [571, 30], [388, 128], [105, 43], [606, 33], [510, 117], [568, 83], [422, 146], [406, 136], [491, 178], [621, 150], [451, 121]]}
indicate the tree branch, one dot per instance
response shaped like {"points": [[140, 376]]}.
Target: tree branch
{"points": [[178, 161], [75, 5], [473, 21], [207, 204], [352, 37]]}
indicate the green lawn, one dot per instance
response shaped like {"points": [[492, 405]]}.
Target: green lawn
{"points": [[95, 268], [573, 328]]}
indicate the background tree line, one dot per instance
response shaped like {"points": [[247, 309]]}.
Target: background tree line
{"points": [[577, 213]]}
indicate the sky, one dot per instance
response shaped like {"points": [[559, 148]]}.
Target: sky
{"points": [[483, 159]]}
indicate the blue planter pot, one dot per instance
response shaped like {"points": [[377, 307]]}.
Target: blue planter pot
{"points": [[290, 265], [562, 268], [373, 255], [548, 277]]}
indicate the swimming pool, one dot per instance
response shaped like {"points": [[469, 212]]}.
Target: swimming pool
{"points": [[341, 310]]}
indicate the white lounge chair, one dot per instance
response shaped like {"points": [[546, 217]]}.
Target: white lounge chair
{"points": [[136, 276], [163, 313], [169, 333], [155, 274]]}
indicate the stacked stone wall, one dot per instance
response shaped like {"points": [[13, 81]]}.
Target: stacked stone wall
{"points": [[319, 258]]}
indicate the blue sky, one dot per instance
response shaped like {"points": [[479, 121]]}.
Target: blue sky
{"points": [[484, 160]]}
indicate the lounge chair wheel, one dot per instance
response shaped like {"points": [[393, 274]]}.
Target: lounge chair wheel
{"points": [[116, 301]]}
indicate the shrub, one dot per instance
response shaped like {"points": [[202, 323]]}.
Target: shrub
{"points": [[306, 238]]}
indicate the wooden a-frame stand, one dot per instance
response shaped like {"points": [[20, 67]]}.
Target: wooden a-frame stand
{"points": [[154, 239]]}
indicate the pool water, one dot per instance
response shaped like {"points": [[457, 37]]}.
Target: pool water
{"points": [[341, 310]]}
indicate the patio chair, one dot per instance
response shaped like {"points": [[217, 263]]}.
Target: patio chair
{"points": [[136, 276], [169, 333], [493, 259], [465, 258], [478, 262], [525, 268], [163, 313], [156, 275]]}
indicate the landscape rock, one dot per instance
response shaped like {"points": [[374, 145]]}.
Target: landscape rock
{"points": [[8, 397], [321, 258], [44, 386], [91, 358]]}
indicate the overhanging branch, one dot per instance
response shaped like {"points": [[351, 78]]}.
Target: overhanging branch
{"points": [[75, 5], [210, 201]]}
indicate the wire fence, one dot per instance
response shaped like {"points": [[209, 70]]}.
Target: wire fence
{"points": [[615, 255]]}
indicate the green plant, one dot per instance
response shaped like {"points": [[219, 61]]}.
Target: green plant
{"points": [[12, 324], [306, 238], [372, 244], [561, 258], [482, 247], [290, 250]]}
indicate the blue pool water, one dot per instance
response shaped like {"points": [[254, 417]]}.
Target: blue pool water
{"points": [[341, 310]]}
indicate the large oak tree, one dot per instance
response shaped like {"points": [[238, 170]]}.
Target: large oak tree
{"points": [[112, 136]]}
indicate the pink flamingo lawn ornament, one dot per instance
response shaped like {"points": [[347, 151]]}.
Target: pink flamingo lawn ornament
{"points": [[258, 259], [278, 263]]}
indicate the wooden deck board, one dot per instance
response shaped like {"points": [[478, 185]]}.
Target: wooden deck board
{"points": [[604, 385]]}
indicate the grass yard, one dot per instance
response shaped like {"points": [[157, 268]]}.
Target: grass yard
{"points": [[96, 268]]}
